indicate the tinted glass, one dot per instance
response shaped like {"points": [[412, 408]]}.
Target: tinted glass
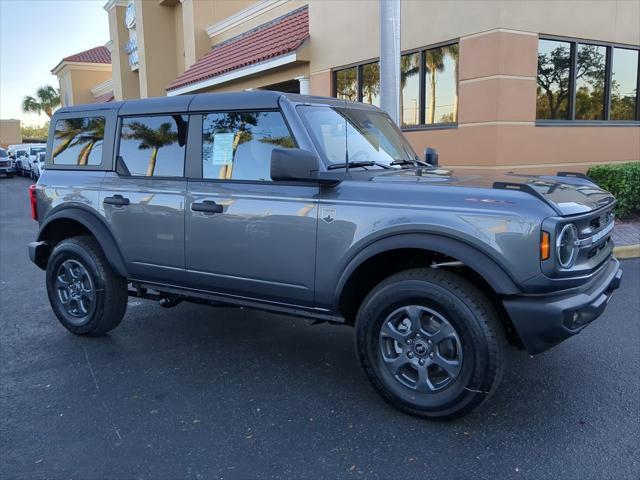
{"points": [[590, 80], [371, 83], [366, 135], [347, 84], [624, 84], [441, 84], [554, 67], [78, 141], [410, 89], [3, 153], [153, 146], [238, 146]]}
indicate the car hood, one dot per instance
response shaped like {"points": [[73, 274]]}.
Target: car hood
{"points": [[567, 194]]}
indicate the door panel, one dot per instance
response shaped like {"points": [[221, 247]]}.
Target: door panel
{"points": [[261, 246], [150, 228]]}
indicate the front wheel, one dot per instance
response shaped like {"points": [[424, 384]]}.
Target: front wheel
{"points": [[86, 295], [431, 343]]}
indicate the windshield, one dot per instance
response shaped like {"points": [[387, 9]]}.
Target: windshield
{"points": [[355, 135], [34, 150], [3, 153], [21, 153]]}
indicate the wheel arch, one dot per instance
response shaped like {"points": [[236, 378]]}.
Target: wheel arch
{"points": [[72, 221], [417, 249]]}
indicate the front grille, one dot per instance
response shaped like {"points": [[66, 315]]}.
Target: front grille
{"points": [[5, 163]]}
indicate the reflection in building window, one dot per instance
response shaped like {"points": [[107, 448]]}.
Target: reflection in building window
{"points": [[590, 82], [441, 71], [410, 89], [371, 83], [347, 84], [624, 88], [554, 68]]}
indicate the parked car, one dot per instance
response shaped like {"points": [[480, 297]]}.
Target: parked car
{"points": [[26, 161], [38, 166], [320, 208], [6, 166], [18, 155]]}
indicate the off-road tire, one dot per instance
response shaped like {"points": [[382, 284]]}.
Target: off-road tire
{"points": [[111, 293], [468, 311]]}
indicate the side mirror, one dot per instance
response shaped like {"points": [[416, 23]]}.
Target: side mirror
{"points": [[431, 156], [294, 164]]}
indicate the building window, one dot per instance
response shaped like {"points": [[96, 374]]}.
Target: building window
{"points": [[586, 82], [153, 146], [428, 85]]}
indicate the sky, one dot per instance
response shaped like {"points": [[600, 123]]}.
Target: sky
{"points": [[34, 36]]}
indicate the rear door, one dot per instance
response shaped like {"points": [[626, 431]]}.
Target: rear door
{"points": [[248, 236], [143, 199]]}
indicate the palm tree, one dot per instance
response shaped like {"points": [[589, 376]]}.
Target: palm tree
{"points": [[454, 51], [151, 138], [47, 100], [93, 134], [71, 127], [434, 63], [409, 66]]}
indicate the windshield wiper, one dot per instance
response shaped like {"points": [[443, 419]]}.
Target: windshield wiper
{"points": [[367, 163], [415, 163]]}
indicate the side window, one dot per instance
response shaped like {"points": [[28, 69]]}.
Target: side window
{"points": [[153, 146], [78, 141], [238, 146]]}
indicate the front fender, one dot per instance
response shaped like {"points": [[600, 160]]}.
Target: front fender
{"points": [[499, 280]]}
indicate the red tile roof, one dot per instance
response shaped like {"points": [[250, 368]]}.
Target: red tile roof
{"points": [[278, 37], [93, 55], [104, 98]]}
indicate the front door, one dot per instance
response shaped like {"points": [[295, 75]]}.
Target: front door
{"points": [[248, 236], [143, 200]]}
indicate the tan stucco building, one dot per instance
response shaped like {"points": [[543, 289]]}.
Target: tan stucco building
{"points": [[506, 85], [10, 132], [85, 77]]}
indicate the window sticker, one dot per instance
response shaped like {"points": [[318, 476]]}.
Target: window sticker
{"points": [[222, 149]]}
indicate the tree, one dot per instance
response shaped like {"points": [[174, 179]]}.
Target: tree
{"points": [[434, 63], [151, 139], [47, 99], [409, 66]]}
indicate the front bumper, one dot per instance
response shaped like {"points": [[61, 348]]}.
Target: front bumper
{"points": [[5, 170], [543, 321]]}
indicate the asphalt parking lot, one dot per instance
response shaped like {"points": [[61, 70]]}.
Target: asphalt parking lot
{"points": [[199, 392]]}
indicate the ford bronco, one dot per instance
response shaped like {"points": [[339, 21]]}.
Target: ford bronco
{"points": [[319, 208]]}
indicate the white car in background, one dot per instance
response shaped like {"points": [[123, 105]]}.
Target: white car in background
{"points": [[38, 166], [26, 161]]}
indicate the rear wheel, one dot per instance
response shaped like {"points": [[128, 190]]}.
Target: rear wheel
{"points": [[86, 295], [431, 343]]}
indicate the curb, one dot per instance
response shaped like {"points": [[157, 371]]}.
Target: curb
{"points": [[627, 251]]}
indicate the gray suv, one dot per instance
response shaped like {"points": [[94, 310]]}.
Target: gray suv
{"points": [[319, 208]]}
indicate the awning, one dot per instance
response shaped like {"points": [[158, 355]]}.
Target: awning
{"points": [[267, 46]]}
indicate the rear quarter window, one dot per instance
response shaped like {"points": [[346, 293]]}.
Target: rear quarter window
{"points": [[78, 141]]}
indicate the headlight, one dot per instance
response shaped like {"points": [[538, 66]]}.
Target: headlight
{"points": [[566, 245]]}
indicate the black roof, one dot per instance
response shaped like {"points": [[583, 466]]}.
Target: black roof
{"points": [[255, 99]]}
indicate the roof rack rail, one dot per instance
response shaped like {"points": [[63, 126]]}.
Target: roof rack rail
{"points": [[523, 187]]}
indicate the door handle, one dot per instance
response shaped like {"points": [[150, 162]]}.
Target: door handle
{"points": [[116, 200], [207, 206]]}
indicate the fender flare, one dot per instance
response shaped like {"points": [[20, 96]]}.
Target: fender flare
{"points": [[98, 229], [481, 263]]}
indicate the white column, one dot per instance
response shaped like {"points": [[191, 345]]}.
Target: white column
{"points": [[390, 58], [304, 85]]}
